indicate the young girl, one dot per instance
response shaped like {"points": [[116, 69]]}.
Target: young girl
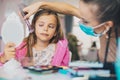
{"points": [[46, 44]]}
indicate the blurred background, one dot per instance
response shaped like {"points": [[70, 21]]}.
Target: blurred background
{"points": [[82, 46]]}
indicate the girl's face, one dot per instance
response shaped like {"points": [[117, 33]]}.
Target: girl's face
{"points": [[45, 27], [89, 17]]}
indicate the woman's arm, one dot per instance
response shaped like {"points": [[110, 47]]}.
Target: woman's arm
{"points": [[59, 7]]}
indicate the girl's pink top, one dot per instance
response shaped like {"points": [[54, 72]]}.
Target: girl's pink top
{"points": [[61, 57]]}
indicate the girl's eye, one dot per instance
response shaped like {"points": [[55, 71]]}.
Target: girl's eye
{"points": [[40, 25], [51, 26]]}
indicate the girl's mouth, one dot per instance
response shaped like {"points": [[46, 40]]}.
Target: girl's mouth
{"points": [[44, 34]]}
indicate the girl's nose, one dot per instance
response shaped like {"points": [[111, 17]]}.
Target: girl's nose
{"points": [[46, 28]]}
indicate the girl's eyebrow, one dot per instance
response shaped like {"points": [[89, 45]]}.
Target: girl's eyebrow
{"points": [[44, 22], [40, 22], [52, 24]]}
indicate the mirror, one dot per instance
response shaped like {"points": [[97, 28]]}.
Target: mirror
{"points": [[12, 30]]}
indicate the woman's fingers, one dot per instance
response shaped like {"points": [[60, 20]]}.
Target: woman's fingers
{"points": [[25, 9], [27, 16], [28, 13], [31, 9]]}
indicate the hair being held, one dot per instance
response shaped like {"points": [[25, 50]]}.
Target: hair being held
{"points": [[32, 38]]}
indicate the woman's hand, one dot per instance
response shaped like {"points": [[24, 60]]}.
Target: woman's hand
{"points": [[54, 6], [9, 51], [31, 9]]}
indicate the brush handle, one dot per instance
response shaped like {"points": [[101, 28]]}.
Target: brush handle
{"points": [[26, 21]]}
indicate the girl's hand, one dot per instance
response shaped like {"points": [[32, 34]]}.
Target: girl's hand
{"points": [[9, 51]]}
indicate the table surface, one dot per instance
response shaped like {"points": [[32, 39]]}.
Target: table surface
{"points": [[29, 75], [25, 74]]}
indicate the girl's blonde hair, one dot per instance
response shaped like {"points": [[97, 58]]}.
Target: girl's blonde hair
{"points": [[32, 39]]}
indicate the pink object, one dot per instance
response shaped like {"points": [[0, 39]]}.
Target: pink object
{"points": [[61, 57]]}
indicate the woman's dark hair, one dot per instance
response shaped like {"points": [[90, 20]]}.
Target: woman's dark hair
{"points": [[107, 10], [32, 39]]}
